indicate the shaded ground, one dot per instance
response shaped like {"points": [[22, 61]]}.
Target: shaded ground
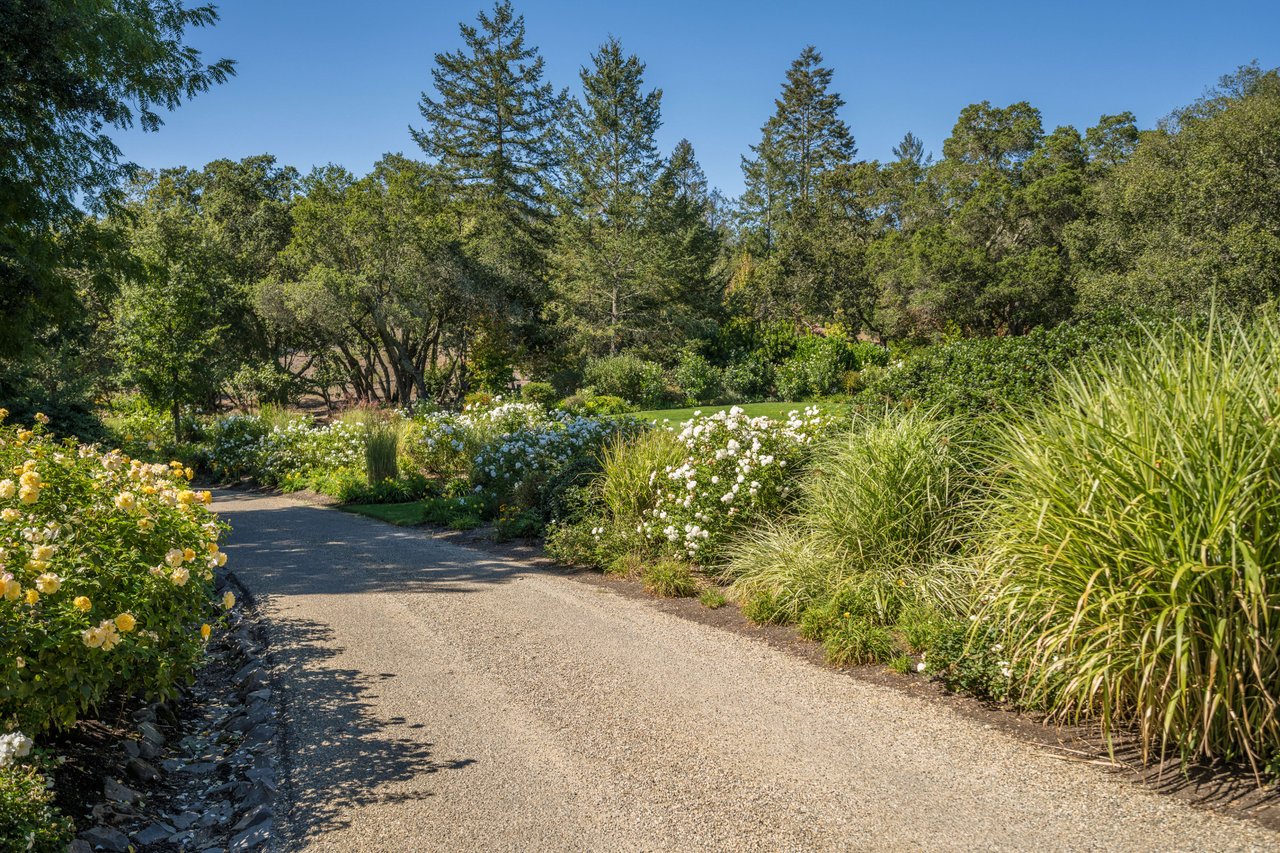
{"points": [[438, 697]]}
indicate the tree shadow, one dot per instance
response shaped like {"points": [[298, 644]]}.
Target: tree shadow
{"points": [[337, 752], [306, 550]]}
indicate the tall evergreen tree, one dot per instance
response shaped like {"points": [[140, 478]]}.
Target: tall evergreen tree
{"points": [[491, 123]]}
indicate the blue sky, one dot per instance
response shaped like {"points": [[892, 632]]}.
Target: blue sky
{"points": [[325, 81]]}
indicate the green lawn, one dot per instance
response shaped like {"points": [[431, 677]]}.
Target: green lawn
{"points": [[405, 515], [755, 410]]}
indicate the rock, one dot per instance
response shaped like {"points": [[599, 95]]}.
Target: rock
{"points": [[252, 817], [141, 771], [171, 765], [266, 775], [106, 838], [132, 749], [245, 671], [144, 715], [148, 750], [166, 715], [263, 695], [261, 733], [79, 846], [154, 834], [117, 793], [259, 795], [184, 820], [252, 837], [150, 733], [199, 768]]}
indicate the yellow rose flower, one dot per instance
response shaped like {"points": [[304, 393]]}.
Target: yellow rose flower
{"points": [[188, 554], [29, 495], [32, 596], [92, 637], [189, 473], [31, 478], [173, 557], [206, 497], [180, 577], [9, 514], [228, 599], [126, 501], [126, 623], [7, 489], [82, 603], [145, 524], [48, 583], [211, 547], [9, 587], [42, 553], [220, 558], [205, 631], [186, 498], [4, 413]]}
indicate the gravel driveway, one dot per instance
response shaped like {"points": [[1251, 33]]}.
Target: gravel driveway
{"points": [[440, 698]]}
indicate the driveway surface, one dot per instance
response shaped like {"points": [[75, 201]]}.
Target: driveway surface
{"points": [[439, 698]]}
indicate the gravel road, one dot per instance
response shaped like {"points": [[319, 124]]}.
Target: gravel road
{"points": [[440, 698]]}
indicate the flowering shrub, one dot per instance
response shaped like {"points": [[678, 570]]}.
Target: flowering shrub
{"points": [[106, 574], [281, 454], [735, 468], [522, 460]]}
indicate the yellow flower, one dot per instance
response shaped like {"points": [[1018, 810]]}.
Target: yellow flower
{"points": [[126, 501], [9, 514], [4, 413], [190, 474], [145, 524], [9, 587], [31, 478], [92, 637], [180, 576], [228, 599], [41, 553], [48, 583], [205, 631], [7, 489], [188, 554], [126, 623], [32, 596], [220, 558], [186, 498], [212, 547], [206, 497], [42, 418], [24, 436], [173, 557], [82, 603], [29, 495]]}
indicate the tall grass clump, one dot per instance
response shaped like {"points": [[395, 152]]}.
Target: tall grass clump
{"points": [[870, 542], [1134, 544], [382, 450]]}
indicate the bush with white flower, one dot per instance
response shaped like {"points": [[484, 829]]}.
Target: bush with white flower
{"points": [[736, 468], [276, 453], [106, 578]]}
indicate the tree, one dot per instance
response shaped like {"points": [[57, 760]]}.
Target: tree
{"points": [[1192, 215], [803, 139], [69, 72], [611, 287]]}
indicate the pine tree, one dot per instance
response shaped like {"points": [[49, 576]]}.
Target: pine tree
{"points": [[610, 282], [493, 122], [804, 139]]}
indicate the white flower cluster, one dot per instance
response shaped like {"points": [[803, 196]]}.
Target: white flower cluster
{"points": [[536, 451], [246, 445], [737, 466], [13, 746]]}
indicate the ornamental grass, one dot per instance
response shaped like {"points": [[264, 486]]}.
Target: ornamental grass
{"points": [[1134, 544]]}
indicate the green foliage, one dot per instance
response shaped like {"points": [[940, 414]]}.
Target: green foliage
{"points": [[870, 546], [698, 379], [29, 821], [108, 576], [381, 450], [669, 578], [639, 382], [712, 598], [984, 376], [820, 363], [587, 403], [539, 393], [1133, 540]]}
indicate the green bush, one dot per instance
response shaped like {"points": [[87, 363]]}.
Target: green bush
{"points": [[28, 819], [587, 403], [871, 541], [381, 450], [539, 393], [1134, 543], [748, 380], [669, 578], [820, 364], [698, 379], [639, 382]]}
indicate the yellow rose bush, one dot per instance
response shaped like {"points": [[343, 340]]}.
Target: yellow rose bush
{"points": [[106, 577]]}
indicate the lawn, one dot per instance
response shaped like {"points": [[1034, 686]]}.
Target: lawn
{"points": [[755, 410], [405, 514]]}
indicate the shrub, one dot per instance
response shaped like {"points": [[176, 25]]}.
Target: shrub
{"points": [[747, 381], [587, 403], [539, 393], [871, 540], [820, 364], [712, 598], [698, 379], [106, 576], [669, 578], [28, 819], [1134, 541], [642, 383]]}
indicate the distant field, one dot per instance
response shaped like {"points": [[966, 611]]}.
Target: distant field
{"points": [[755, 410]]}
